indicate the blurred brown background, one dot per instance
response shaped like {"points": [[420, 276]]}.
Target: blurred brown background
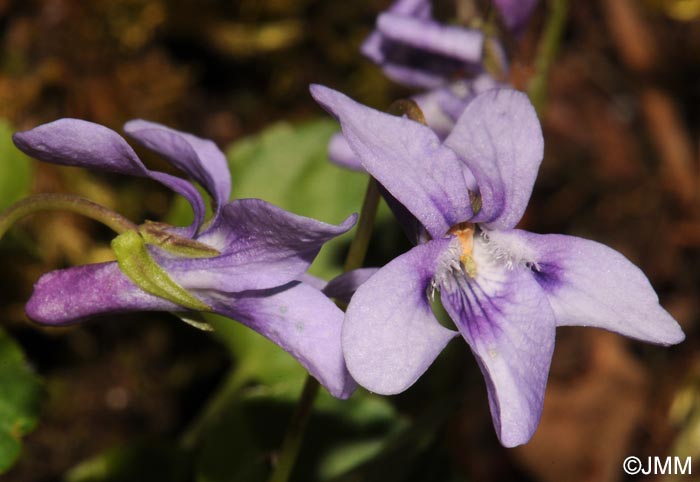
{"points": [[622, 126]]}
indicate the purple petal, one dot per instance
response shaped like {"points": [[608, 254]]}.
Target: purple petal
{"points": [[505, 318], [413, 8], [420, 9], [450, 41], [301, 320], [515, 13], [390, 335], [199, 158], [71, 295], [74, 142], [499, 137], [340, 153], [262, 246], [407, 159], [589, 284], [414, 76], [444, 105], [432, 103], [313, 281], [343, 287]]}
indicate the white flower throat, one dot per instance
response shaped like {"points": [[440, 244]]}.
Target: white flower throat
{"points": [[476, 252]]}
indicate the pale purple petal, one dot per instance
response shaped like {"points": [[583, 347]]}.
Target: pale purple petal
{"points": [[505, 318], [301, 320], [515, 13], [443, 106], [432, 104], [414, 76], [589, 284], [420, 9], [390, 334], [340, 153], [413, 8], [499, 137], [313, 281], [342, 287], [433, 184], [74, 142], [261, 245], [199, 158], [432, 37], [69, 296]]}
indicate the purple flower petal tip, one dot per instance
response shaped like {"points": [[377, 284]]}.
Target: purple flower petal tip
{"points": [[516, 13], [199, 158], [69, 296], [340, 153], [75, 142]]}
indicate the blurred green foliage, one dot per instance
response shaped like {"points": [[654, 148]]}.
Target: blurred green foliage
{"points": [[20, 402], [15, 168]]}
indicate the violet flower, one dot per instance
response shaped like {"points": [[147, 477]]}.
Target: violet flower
{"points": [[259, 250], [506, 289], [416, 51]]}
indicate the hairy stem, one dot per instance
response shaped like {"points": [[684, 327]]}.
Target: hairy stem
{"points": [[65, 202], [355, 258]]}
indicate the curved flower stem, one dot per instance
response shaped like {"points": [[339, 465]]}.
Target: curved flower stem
{"points": [[356, 255], [358, 247], [66, 202], [295, 431], [547, 52]]}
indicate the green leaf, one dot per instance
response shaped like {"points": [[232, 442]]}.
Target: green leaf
{"points": [[21, 392], [246, 420], [15, 168], [242, 444], [411, 454], [154, 461]]}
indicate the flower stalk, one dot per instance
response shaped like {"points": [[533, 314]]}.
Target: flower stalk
{"points": [[66, 202], [546, 52]]}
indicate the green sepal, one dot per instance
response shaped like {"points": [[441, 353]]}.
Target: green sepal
{"points": [[157, 234], [196, 320], [475, 201], [136, 262]]}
